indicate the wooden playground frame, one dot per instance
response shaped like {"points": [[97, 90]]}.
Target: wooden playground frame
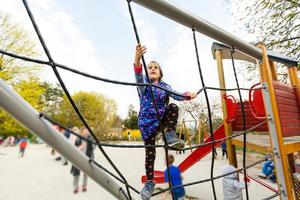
{"points": [[283, 151]]}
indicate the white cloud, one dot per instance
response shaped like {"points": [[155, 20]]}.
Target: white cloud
{"points": [[181, 63], [63, 37]]}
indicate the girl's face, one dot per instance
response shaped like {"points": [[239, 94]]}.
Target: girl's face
{"points": [[153, 72]]}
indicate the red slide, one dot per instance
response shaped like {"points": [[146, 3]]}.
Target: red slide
{"points": [[194, 157]]}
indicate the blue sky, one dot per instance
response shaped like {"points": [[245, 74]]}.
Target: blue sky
{"points": [[97, 37]]}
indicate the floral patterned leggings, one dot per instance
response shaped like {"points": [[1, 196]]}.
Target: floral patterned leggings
{"points": [[169, 121]]}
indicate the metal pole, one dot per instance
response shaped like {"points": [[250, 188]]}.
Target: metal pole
{"points": [[18, 108], [189, 20]]}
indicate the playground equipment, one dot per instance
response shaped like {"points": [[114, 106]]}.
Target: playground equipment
{"points": [[280, 103], [277, 102], [183, 130], [286, 101]]}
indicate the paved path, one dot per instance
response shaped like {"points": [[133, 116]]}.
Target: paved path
{"points": [[38, 177]]}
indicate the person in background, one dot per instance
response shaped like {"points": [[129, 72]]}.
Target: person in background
{"points": [[224, 150], [232, 187], [176, 179], [87, 147], [67, 134], [23, 144], [268, 169]]}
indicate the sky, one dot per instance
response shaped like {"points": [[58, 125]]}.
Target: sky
{"points": [[97, 37]]}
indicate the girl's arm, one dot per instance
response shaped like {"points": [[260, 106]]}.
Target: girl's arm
{"points": [[139, 52], [139, 78], [187, 95]]}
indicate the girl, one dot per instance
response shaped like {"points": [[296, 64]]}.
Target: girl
{"points": [[148, 122]]}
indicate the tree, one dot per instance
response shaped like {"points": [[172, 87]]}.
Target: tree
{"points": [[194, 110], [53, 99], [14, 39], [131, 122], [32, 91], [19, 74], [276, 23], [117, 122], [98, 111]]}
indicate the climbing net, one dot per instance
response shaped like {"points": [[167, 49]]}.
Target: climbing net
{"points": [[120, 177]]}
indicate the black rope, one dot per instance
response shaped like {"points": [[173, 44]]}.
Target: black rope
{"points": [[143, 146], [113, 175], [152, 96], [227, 138], [243, 121], [165, 146], [233, 89], [86, 74], [98, 78], [67, 92], [209, 115]]}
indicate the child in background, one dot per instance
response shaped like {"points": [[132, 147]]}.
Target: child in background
{"points": [[148, 121], [232, 187], [176, 179], [23, 144], [268, 170], [224, 150]]}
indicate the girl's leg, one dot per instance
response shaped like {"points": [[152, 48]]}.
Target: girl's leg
{"points": [[171, 117], [170, 122], [150, 152], [150, 157]]}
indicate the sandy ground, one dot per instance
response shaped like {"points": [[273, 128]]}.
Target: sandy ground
{"points": [[38, 176]]}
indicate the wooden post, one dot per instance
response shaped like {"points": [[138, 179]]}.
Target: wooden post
{"points": [[279, 147], [273, 70], [199, 139], [293, 75], [294, 80], [227, 126], [187, 136]]}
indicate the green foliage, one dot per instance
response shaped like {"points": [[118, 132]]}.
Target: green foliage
{"points": [[98, 111], [131, 122], [52, 98], [18, 74], [14, 39], [32, 91], [274, 22]]}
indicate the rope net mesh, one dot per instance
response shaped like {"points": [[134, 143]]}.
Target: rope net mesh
{"points": [[119, 176]]}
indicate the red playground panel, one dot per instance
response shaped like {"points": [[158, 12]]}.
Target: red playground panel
{"points": [[288, 108], [256, 102], [250, 120], [194, 157]]}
